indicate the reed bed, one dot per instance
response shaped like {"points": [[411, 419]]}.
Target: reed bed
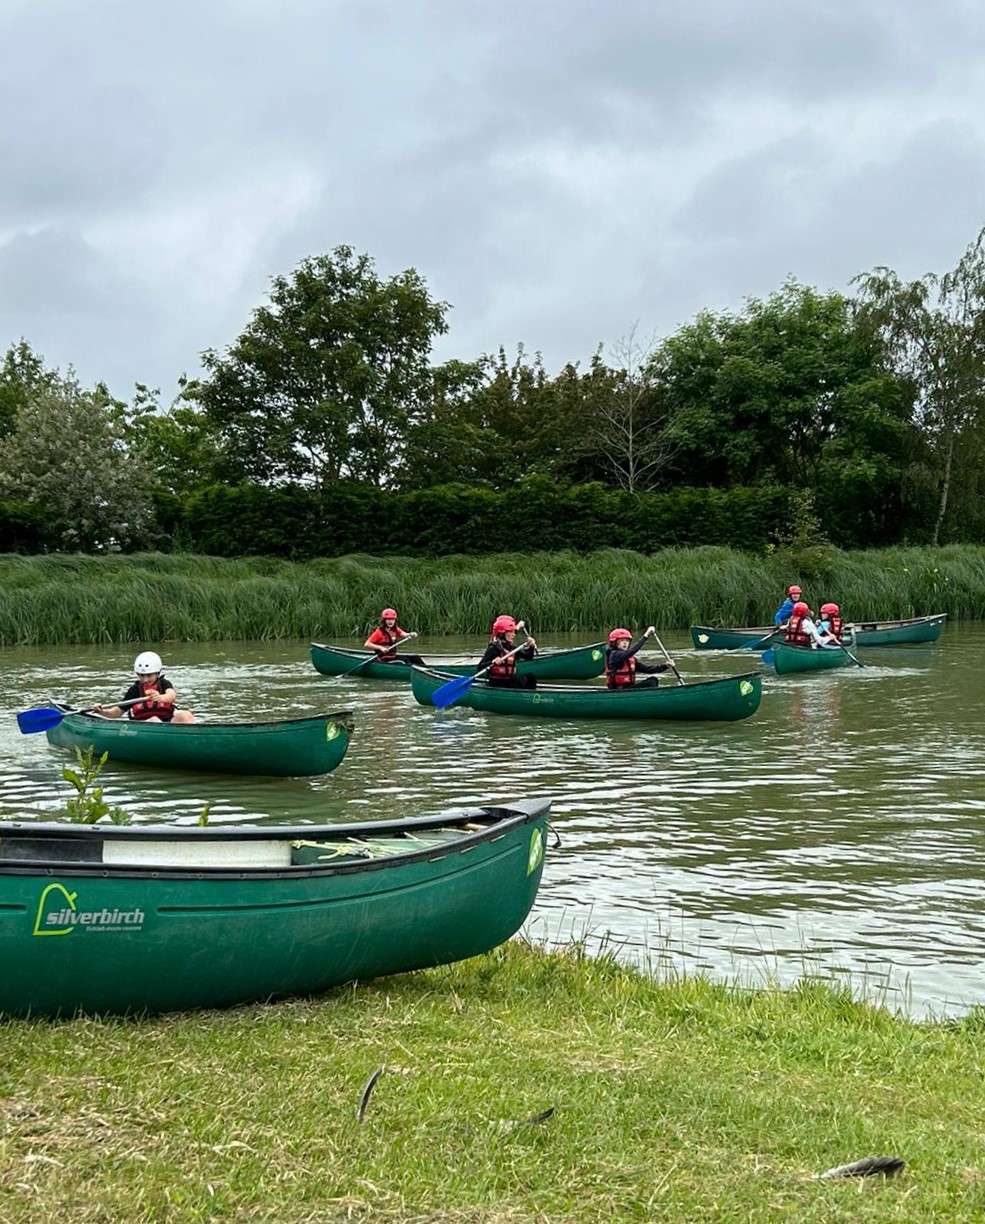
{"points": [[517, 1086], [68, 599]]}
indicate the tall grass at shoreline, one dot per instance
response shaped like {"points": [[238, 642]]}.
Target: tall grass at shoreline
{"points": [[66, 599], [677, 1100]]}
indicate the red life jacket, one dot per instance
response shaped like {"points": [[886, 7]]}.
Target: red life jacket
{"points": [[147, 709], [834, 626], [623, 676], [503, 667], [383, 636], [795, 635]]}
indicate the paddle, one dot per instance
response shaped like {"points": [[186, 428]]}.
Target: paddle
{"points": [[449, 693], [759, 641], [45, 717], [375, 656], [663, 651], [851, 656]]}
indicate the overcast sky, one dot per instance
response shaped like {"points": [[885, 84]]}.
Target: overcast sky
{"points": [[556, 170]]}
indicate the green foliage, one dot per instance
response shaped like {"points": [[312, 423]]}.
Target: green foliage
{"points": [[325, 381], [88, 806], [351, 518], [66, 460], [22, 376], [933, 330], [158, 598], [22, 527]]}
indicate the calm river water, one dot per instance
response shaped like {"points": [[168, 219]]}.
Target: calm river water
{"points": [[839, 831]]}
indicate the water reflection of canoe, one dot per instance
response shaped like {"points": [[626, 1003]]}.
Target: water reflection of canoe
{"points": [[867, 633], [116, 919], [719, 700], [787, 658], [289, 748], [577, 663]]}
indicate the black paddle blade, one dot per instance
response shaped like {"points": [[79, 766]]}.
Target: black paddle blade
{"points": [[42, 719]]}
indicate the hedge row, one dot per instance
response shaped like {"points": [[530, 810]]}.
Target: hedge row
{"points": [[536, 516]]}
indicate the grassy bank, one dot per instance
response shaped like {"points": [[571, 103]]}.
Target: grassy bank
{"points": [[158, 598], [683, 1101]]}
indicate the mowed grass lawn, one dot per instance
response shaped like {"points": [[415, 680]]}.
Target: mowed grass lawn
{"points": [[676, 1100]]}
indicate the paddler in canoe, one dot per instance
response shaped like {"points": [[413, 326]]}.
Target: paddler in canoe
{"points": [[802, 631], [785, 610], [157, 691], [385, 638], [622, 665], [502, 654]]}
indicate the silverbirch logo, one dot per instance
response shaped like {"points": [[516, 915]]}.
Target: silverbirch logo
{"points": [[59, 914]]}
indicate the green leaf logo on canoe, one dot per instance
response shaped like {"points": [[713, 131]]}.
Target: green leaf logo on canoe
{"points": [[331, 731], [536, 854], [702, 638], [746, 687], [596, 655]]}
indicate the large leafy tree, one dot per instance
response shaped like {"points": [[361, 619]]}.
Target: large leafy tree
{"points": [[327, 378], [177, 446], [934, 332], [761, 395], [66, 459]]}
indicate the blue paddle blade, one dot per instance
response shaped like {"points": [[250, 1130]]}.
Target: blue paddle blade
{"points": [[31, 721], [768, 657], [450, 692]]}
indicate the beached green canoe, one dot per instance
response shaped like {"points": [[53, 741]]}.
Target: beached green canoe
{"points": [[718, 700], [115, 919], [578, 663], [787, 658], [289, 748], [867, 633]]}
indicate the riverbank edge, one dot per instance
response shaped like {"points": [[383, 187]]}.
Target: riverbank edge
{"points": [[62, 599], [521, 1085]]}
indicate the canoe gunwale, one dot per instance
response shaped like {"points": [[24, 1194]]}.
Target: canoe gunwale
{"points": [[594, 689], [504, 819], [358, 655], [345, 718]]}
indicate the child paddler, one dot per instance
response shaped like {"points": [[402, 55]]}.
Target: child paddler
{"points": [[502, 669], [385, 637]]}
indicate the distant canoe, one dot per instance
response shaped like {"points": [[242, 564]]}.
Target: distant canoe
{"points": [[107, 919], [867, 633], [288, 748], [717, 700], [577, 663], [787, 658]]}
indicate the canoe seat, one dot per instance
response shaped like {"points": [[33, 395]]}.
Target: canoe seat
{"points": [[245, 854]]}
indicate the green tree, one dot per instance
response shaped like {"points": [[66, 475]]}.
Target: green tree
{"points": [[759, 397], [178, 447], [326, 380], [934, 333], [22, 374], [66, 459]]}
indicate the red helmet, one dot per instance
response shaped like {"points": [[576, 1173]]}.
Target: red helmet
{"points": [[504, 624], [794, 590], [830, 607], [618, 634], [801, 609], [388, 612]]}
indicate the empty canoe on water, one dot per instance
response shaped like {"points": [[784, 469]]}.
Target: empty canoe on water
{"points": [[786, 658], [578, 663], [867, 633], [718, 700], [289, 748], [113, 919]]}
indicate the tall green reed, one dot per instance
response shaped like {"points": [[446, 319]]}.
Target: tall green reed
{"points": [[159, 597]]}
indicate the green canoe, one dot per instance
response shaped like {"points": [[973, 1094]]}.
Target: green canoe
{"points": [[719, 700], [101, 919], [290, 748], [787, 658], [867, 633], [578, 663]]}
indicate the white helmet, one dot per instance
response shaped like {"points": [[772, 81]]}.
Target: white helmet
{"points": [[147, 663]]}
